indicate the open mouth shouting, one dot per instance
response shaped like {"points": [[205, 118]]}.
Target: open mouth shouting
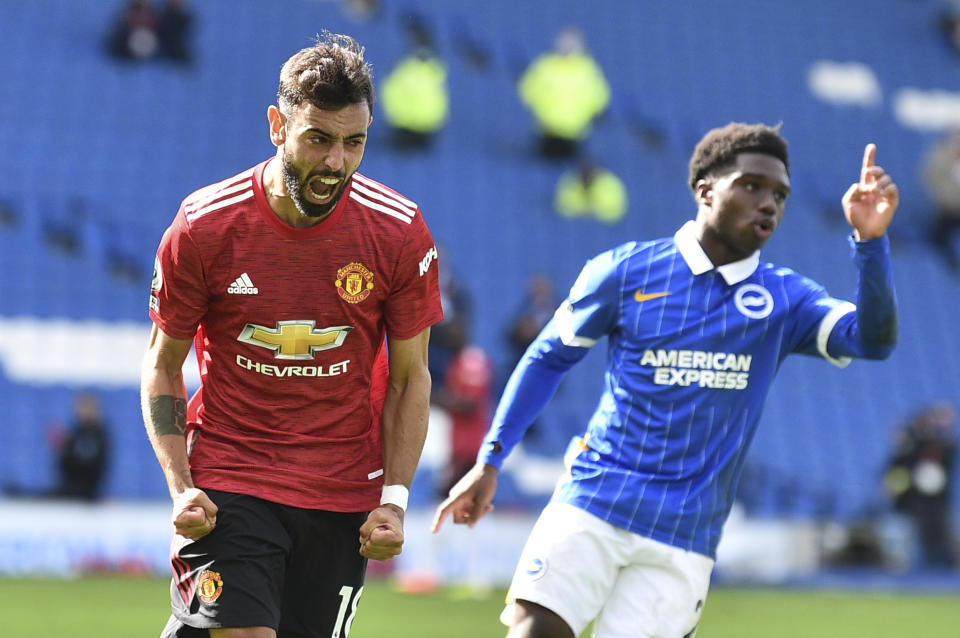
{"points": [[314, 195], [322, 189]]}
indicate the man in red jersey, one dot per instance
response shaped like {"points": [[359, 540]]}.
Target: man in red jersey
{"points": [[294, 280]]}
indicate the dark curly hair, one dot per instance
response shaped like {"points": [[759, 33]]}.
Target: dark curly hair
{"points": [[330, 75], [719, 148]]}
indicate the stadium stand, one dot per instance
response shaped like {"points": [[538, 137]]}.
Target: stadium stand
{"points": [[103, 153]]}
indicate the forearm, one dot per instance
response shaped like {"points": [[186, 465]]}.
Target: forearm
{"points": [[406, 412], [164, 406], [877, 320], [529, 389]]}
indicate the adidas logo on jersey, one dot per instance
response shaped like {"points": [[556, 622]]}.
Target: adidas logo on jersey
{"points": [[243, 286]]}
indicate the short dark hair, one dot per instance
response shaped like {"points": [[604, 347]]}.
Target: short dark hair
{"points": [[719, 148], [331, 74]]}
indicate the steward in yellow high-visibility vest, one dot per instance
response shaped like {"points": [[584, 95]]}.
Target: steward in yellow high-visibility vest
{"points": [[591, 191], [414, 97], [565, 90]]}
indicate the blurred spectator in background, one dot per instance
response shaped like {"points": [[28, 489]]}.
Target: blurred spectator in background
{"points": [[941, 175], [466, 393], [415, 99], [590, 190], [362, 10], [141, 31], [414, 96], [133, 35], [463, 375], [950, 23], [919, 480], [449, 336], [565, 90], [82, 452], [173, 31], [537, 307]]}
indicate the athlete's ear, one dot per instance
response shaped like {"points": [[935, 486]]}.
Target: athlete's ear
{"points": [[703, 192], [278, 129]]}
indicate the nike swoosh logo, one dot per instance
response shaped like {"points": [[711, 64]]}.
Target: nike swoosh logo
{"points": [[646, 296]]}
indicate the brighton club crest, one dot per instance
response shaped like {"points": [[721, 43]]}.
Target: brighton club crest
{"points": [[354, 282]]}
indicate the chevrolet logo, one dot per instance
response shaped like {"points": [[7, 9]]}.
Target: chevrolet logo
{"points": [[646, 296], [297, 339]]}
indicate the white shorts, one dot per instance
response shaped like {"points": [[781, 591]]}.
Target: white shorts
{"points": [[583, 568]]}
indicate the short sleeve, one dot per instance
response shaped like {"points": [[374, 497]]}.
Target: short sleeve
{"points": [[414, 301], [178, 293]]}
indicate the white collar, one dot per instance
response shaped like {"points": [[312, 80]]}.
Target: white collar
{"points": [[699, 263]]}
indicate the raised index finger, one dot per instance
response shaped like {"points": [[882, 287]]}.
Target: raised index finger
{"points": [[869, 157], [440, 516]]}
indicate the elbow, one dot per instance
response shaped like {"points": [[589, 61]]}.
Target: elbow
{"points": [[880, 342], [419, 382], [881, 346], [880, 352]]}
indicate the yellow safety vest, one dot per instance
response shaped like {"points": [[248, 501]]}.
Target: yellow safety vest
{"points": [[414, 95]]}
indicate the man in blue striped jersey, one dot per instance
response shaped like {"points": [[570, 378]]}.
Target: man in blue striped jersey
{"points": [[697, 327]]}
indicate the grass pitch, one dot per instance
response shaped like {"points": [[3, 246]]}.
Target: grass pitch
{"points": [[117, 607]]}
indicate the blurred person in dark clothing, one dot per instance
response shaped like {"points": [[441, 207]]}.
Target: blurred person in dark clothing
{"points": [[536, 309], [142, 31], [84, 452], [919, 479], [949, 22], [450, 336], [173, 31], [941, 176], [133, 35]]}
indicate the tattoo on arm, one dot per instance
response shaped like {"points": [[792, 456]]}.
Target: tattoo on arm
{"points": [[169, 415]]}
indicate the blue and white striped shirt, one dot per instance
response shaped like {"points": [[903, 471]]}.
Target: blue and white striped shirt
{"points": [[692, 350]]}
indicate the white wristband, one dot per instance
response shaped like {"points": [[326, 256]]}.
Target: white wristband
{"points": [[395, 495]]}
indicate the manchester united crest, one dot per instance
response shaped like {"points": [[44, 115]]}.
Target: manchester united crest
{"points": [[209, 586], [354, 282]]}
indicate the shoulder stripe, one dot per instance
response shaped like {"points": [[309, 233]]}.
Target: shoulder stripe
{"points": [[399, 199], [204, 192], [223, 203], [195, 204], [386, 200], [378, 207]]}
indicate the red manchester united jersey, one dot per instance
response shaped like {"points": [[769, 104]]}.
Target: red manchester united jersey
{"points": [[288, 326]]}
